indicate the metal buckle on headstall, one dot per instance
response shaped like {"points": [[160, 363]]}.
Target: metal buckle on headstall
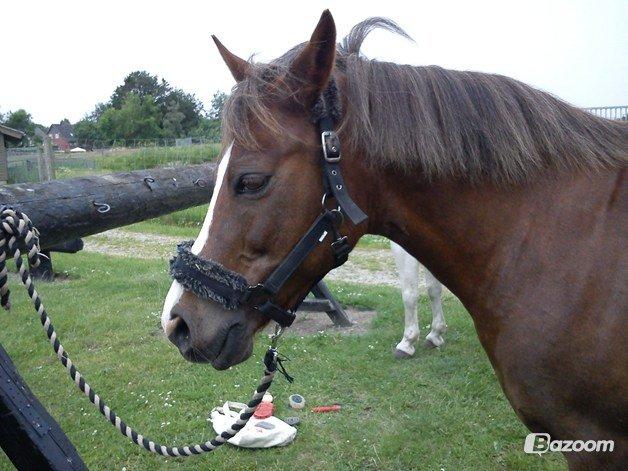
{"points": [[331, 146], [257, 294]]}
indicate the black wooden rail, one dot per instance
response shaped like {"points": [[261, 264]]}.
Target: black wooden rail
{"points": [[28, 434]]}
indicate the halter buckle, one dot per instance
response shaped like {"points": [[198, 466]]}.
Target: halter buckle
{"points": [[331, 146], [257, 294]]}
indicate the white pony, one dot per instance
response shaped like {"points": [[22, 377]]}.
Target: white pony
{"points": [[409, 275]]}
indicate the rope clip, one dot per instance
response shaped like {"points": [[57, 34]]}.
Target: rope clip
{"points": [[275, 337]]}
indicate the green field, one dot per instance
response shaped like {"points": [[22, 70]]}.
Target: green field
{"points": [[442, 409]]}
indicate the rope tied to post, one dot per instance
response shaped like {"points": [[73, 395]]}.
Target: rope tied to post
{"points": [[18, 236]]}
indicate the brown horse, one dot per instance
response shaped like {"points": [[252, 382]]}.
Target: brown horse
{"points": [[514, 199]]}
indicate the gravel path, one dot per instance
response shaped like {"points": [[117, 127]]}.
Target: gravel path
{"points": [[365, 266]]}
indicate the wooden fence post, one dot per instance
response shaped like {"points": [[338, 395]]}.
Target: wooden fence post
{"points": [[41, 169], [48, 159], [45, 167]]}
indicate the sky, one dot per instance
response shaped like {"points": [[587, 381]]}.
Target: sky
{"points": [[61, 58]]}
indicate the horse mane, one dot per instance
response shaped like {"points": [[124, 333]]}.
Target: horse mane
{"points": [[448, 123]]}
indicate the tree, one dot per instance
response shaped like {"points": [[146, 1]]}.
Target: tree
{"points": [[207, 128], [137, 118], [217, 105], [143, 107], [173, 121], [165, 98], [22, 121], [99, 109], [86, 130], [188, 105], [142, 84]]}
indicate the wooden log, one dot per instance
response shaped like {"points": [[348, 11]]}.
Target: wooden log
{"points": [[78, 207]]}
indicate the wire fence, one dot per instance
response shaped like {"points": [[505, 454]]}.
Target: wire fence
{"points": [[108, 144], [24, 166], [24, 162]]}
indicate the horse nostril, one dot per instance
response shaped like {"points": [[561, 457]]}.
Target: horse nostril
{"points": [[179, 332]]}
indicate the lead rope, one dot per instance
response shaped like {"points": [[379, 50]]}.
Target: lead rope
{"points": [[19, 234]]}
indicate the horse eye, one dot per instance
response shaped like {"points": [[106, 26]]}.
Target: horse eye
{"points": [[251, 183]]}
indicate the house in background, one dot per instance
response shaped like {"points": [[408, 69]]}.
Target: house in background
{"points": [[62, 135]]}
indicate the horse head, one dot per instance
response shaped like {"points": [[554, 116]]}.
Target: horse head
{"points": [[269, 193]]}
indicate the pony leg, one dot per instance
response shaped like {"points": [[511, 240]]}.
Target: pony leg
{"points": [[435, 290], [408, 268]]}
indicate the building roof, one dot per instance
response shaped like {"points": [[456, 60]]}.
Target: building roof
{"points": [[64, 129], [10, 134]]}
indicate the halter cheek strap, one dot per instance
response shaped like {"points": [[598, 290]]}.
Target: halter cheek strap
{"points": [[208, 279], [332, 177]]}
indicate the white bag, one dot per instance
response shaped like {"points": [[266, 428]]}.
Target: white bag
{"points": [[257, 433]]}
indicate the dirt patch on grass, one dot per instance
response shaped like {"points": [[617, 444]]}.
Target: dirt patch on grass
{"points": [[366, 265], [311, 323], [132, 244]]}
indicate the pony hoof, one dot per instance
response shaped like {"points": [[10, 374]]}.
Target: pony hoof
{"points": [[434, 341], [401, 355]]}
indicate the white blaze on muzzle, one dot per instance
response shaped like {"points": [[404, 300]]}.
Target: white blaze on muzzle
{"points": [[176, 290]]}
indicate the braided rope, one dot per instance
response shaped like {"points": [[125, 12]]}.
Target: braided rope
{"points": [[19, 234]]}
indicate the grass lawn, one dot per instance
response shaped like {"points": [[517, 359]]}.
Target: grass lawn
{"points": [[442, 409]]}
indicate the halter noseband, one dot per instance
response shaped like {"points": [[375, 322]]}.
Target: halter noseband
{"points": [[208, 279]]}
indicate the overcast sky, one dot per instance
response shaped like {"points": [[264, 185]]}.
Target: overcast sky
{"points": [[61, 58]]}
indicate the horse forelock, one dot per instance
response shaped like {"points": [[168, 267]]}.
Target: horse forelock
{"points": [[444, 123]]}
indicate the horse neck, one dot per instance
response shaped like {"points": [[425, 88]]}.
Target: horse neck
{"points": [[494, 246]]}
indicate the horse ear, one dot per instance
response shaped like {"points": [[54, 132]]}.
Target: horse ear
{"points": [[239, 67], [312, 67]]}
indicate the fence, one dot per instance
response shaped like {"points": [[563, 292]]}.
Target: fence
{"points": [[610, 112], [108, 144], [23, 162]]}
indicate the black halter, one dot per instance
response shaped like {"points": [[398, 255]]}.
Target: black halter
{"points": [[210, 280]]}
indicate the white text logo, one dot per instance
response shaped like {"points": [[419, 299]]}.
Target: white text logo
{"points": [[542, 443]]}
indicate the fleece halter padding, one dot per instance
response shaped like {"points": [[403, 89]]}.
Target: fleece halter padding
{"points": [[207, 279]]}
